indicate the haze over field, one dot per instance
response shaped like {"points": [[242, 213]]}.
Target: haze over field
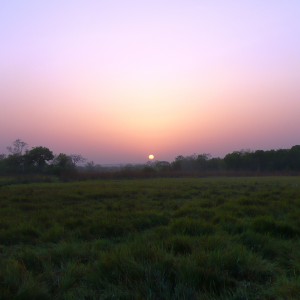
{"points": [[118, 80]]}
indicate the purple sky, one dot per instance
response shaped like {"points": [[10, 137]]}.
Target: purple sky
{"points": [[118, 80]]}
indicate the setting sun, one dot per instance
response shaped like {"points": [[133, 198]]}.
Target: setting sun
{"points": [[151, 156], [138, 76]]}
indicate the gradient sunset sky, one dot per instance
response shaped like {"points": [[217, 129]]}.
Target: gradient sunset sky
{"points": [[116, 80]]}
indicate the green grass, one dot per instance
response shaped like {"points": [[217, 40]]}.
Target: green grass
{"points": [[216, 238]]}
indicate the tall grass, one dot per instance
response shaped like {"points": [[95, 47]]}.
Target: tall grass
{"points": [[217, 238]]}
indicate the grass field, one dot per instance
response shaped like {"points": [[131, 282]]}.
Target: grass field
{"points": [[216, 238]]}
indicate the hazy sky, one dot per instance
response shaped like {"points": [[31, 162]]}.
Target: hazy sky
{"points": [[116, 80]]}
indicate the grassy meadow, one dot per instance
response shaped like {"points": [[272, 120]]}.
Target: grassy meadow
{"points": [[207, 238]]}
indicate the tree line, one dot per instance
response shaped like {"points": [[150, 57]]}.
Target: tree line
{"points": [[259, 161], [37, 160], [41, 160]]}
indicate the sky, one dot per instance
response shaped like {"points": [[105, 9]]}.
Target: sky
{"points": [[116, 80]]}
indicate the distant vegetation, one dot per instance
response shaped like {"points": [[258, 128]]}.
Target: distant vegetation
{"points": [[38, 160], [42, 162], [170, 238]]}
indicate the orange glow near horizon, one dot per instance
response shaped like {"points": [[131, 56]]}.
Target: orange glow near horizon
{"points": [[132, 122], [135, 77]]}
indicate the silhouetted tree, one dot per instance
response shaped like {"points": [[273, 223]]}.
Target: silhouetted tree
{"points": [[260, 160], [17, 147], [14, 162], [37, 158], [62, 164], [294, 158], [77, 158], [202, 161], [215, 164], [233, 161], [2, 163], [177, 163]]}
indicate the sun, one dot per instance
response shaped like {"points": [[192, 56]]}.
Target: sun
{"points": [[151, 156]]}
